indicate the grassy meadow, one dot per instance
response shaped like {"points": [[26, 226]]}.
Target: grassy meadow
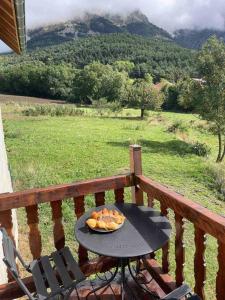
{"points": [[45, 150]]}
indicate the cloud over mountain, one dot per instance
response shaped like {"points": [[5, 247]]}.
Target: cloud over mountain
{"points": [[169, 14]]}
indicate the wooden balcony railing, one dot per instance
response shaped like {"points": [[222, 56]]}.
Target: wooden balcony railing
{"points": [[204, 222]]}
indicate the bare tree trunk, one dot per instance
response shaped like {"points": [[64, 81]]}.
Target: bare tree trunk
{"points": [[223, 154], [142, 113], [220, 147]]}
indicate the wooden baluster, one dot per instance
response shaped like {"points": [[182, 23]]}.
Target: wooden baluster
{"points": [[119, 195], [6, 222], [220, 279], [165, 249], [34, 233], [150, 200], [199, 263], [179, 249], [99, 199], [58, 231], [79, 211]]}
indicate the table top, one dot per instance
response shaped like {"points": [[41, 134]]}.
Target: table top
{"points": [[143, 232]]}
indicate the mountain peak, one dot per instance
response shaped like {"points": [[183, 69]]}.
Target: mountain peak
{"points": [[95, 24], [137, 17]]}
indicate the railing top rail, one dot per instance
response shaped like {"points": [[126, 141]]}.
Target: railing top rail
{"points": [[203, 218], [59, 192]]}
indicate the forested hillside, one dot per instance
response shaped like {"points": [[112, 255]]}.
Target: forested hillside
{"points": [[161, 58], [196, 38]]}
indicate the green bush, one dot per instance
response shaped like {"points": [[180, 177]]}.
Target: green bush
{"points": [[104, 107], [218, 175], [201, 149], [177, 126], [53, 110]]}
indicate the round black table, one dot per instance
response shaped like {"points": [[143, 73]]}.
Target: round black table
{"points": [[143, 232]]}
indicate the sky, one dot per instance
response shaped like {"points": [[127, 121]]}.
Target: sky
{"points": [[168, 14]]}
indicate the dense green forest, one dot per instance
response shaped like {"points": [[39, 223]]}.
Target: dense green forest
{"points": [[92, 68], [161, 58]]}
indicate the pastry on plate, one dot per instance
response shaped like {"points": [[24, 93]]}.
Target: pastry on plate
{"points": [[112, 226], [106, 219], [101, 225], [91, 223]]}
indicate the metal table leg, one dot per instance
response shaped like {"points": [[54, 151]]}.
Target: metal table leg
{"points": [[122, 264], [106, 283]]}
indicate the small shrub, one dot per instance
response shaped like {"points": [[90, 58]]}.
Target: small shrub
{"points": [[177, 126], [218, 175], [201, 126], [104, 107], [53, 110], [114, 107], [156, 119], [134, 127], [201, 149], [100, 105]]}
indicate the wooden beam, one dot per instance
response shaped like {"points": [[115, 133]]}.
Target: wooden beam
{"points": [[9, 35], [165, 281], [54, 193], [203, 218]]}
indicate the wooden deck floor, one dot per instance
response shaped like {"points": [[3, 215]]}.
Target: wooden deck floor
{"points": [[113, 291]]}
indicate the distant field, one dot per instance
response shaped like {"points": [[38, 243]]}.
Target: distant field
{"points": [[48, 150], [23, 99]]}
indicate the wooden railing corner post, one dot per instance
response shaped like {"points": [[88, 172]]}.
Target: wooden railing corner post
{"points": [[136, 169]]}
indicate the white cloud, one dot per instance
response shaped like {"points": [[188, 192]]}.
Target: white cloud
{"points": [[169, 14]]}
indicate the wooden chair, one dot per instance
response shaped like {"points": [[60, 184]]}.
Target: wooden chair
{"points": [[55, 276], [182, 292]]}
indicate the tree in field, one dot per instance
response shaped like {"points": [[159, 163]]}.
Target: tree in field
{"points": [[207, 94], [144, 95], [98, 81]]}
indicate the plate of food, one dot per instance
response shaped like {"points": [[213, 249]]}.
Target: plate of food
{"points": [[105, 220]]}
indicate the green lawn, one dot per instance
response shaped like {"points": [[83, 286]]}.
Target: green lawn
{"points": [[51, 150]]}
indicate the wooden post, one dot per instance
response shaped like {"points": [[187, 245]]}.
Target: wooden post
{"points": [[136, 169]]}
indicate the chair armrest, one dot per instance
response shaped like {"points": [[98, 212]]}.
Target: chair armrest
{"points": [[179, 293]]}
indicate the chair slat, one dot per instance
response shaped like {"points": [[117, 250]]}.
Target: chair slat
{"points": [[99, 199], [79, 211], [38, 279], [165, 249], [179, 250], [179, 293], [61, 269], [58, 231], [220, 280], [72, 264], [49, 274], [6, 222], [9, 253], [199, 263], [34, 233]]}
